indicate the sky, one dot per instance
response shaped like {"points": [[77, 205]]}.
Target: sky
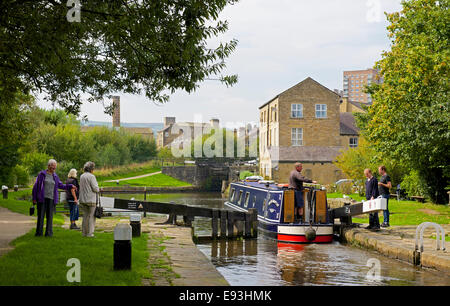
{"points": [[280, 43]]}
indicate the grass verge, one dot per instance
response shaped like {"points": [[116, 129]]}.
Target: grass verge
{"points": [[42, 261], [120, 172], [157, 180]]}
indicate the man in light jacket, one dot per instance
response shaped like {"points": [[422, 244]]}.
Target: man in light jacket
{"points": [[88, 199]]}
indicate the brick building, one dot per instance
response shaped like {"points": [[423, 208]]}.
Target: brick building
{"points": [[305, 124], [355, 81]]}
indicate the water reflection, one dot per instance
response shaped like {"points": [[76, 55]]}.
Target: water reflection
{"points": [[266, 262]]}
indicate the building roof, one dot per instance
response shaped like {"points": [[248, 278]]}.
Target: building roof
{"points": [[305, 154], [358, 104], [305, 80], [348, 124], [184, 124]]}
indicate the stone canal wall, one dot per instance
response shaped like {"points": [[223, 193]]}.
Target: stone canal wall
{"points": [[399, 243]]}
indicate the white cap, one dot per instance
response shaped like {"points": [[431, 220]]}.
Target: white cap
{"points": [[122, 231], [135, 217]]}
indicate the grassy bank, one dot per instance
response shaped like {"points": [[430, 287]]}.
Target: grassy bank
{"points": [[131, 170], [157, 180], [407, 212], [42, 261]]}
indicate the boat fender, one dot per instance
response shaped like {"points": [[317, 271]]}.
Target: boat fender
{"points": [[310, 234]]}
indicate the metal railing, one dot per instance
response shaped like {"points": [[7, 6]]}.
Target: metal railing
{"points": [[439, 231]]}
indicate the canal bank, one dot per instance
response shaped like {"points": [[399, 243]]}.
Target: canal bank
{"points": [[174, 258], [264, 262], [398, 242]]}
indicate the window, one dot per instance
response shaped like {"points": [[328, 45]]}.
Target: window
{"points": [[297, 110], [353, 142], [232, 194], [247, 197], [321, 110], [297, 137], [240, 197]]}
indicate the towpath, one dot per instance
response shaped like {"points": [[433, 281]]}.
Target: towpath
{"points": [[12, 226], [134, 177]]}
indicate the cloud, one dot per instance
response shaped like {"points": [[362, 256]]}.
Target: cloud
{"points": [[281, 42]]}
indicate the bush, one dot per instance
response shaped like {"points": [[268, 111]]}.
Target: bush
{"points": [[245, 174], [141, 149], [20, 176], [345, 188], [34, 162], [63, 168], [414, 185]]}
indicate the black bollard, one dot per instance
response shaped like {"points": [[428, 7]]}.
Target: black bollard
{"points": [[122, 247], [5, 192], [135, 222]]}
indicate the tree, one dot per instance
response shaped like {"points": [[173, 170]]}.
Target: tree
{"points": [[354, 161], [141, 149], [15, 129], [149, 46], [409, 120]]}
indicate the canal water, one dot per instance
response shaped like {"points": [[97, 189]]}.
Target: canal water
{"points": [[264, 262]]}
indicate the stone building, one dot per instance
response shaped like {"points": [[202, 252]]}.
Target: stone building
{"points": [[172, 132], [305, 124]]}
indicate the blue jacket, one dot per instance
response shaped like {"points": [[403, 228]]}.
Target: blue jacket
{"points": [[38, 188]]}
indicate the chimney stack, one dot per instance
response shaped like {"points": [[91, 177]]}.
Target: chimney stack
{"points": [[116, 111]]}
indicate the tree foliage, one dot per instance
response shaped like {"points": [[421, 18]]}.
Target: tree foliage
{"points": [[409, 120], [354, 161], [150, 46], [15, 128]]}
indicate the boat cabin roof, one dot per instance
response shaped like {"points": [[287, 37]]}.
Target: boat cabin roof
{"points": [[260, 184]]}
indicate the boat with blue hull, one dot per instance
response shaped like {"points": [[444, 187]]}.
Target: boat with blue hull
{"points": [[276, 217]]}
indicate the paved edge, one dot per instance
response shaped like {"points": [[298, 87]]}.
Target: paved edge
{"points": [[399, 248], [186, 260]]}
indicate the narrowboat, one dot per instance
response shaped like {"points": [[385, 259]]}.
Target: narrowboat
{"points": [[276, 216]]}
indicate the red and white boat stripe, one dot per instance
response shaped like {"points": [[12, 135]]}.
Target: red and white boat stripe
{"points": [[296, 234]]}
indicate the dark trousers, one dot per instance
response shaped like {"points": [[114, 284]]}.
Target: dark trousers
{"points": [[374, 221], [45, 210]]}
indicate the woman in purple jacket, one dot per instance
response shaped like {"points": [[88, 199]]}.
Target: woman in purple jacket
{"points": [[45, 194]]}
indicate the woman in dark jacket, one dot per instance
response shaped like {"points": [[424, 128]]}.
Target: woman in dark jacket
{"points": [[72, 197], [45, 194]]}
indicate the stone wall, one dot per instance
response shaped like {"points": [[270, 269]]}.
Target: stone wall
{"points": [[323, 173], [208, 178]]}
